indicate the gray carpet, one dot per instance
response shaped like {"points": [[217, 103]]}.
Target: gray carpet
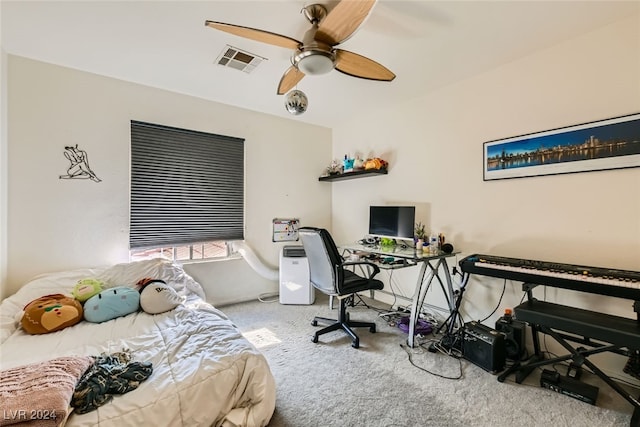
{"points": [[333, 384]]}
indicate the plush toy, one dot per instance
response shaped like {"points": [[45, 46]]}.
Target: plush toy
{"points": [[157, 297], [376, 163], [86, 288], [50, 313], [111, 303]]}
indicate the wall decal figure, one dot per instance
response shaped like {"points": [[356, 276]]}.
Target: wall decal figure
{"points": [[79, 168]]}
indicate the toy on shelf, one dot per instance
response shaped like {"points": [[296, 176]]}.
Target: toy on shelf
{"points": [[334, 168], [376, 163], [347, 164]]}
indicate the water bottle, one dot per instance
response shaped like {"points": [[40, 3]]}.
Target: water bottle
{"points": [[433, 243]]}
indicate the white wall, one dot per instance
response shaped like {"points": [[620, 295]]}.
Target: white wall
{"points": [[60, 224], [3, 171], [434, 145]]}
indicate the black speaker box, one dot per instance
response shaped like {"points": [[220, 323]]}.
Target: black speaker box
{"points": [[483, 346], [514, 333]]}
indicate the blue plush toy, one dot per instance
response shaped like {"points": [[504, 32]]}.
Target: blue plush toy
{"points": [[111, 303]]}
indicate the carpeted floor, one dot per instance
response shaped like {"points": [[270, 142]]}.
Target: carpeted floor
{"points": [[332, 384]]}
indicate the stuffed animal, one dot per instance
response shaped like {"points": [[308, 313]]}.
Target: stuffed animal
{"points": [[157, 297], [50, 313], [111, 303], [375, 163], [86, 288]]}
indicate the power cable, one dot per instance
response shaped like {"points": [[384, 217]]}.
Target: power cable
{"points": [[504, 287], [428, 371]]}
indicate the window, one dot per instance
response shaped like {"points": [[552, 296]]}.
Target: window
{"points": [[201, 251], [187, 192]]}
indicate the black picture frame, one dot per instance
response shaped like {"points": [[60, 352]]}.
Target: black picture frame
{"points": [[599, 145]]}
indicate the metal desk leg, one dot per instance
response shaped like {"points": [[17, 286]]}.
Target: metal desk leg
{"points": [[433, 274], [447, 276], [414, 306], [422, 286], [426, 284], [452, 293]]}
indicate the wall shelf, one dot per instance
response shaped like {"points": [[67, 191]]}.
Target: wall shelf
{"points": [[352, 175]]}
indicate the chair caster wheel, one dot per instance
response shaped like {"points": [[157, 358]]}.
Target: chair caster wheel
{"points": [[314, 339], [314, 323], [355, 344]]}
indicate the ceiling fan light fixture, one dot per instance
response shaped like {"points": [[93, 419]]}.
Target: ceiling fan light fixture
{"points": [[314, 62], [318, 53]]}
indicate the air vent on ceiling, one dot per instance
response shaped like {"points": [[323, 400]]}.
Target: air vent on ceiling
{"points": [[239, 59]]}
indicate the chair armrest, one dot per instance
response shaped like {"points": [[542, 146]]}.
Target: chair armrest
{"points": [[371, 268]]}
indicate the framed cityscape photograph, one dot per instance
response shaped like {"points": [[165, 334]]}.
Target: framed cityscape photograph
{"points": [[605, 144]]}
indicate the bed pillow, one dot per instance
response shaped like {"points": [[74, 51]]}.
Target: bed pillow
{"points": [[50, 313], [39, 394], [157, 297], [111, 303], [86, 288]]}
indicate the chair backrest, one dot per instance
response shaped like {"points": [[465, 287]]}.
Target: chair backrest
{"points": [[325, 262]]}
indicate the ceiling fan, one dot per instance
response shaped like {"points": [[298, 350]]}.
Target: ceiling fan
{"points": [[317, 52]]}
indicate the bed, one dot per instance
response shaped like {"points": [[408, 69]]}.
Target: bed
{"points": [[205, 373]]}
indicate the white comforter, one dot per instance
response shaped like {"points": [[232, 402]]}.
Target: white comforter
{"points": [[204, 372]]}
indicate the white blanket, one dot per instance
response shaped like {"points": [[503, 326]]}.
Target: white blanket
{"points": [[204, 371]]}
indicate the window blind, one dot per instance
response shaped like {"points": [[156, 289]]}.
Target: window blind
{"points": [[186, 186]]}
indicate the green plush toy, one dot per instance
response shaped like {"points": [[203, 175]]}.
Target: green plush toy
{"points": [[86, 288]]}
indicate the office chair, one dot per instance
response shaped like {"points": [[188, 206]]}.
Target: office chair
{"points": [[329, 274]]}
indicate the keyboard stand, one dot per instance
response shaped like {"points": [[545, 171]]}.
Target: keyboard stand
{"points": [[524, 368], [601, 332]]}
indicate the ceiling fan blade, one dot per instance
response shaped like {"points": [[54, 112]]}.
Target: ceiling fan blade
{"points": [[254, 34], [343, 21], [360, 66], [289, 79]]}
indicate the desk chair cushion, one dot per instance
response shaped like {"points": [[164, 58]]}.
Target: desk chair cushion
{"points": [[353, 283]]}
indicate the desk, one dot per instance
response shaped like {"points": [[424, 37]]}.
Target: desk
{"points": [[430, 264]]}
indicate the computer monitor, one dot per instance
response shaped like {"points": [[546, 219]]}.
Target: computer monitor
{"points": [[394, 222]]}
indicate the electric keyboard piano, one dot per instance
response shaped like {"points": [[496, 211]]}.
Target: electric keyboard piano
{"points": [[603, 281], [602, 332]]}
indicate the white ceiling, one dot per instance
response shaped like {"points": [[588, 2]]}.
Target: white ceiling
{"points": [[165, 44]]}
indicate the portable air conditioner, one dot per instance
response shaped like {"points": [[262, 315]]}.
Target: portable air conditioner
{"points": [[295, 287]]}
